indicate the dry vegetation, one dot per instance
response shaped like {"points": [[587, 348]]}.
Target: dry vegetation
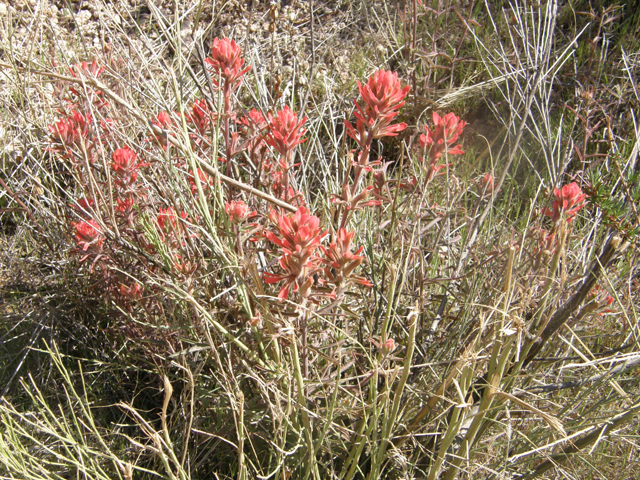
{"points": [[455, 296]]}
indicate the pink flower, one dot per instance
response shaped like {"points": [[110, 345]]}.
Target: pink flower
{"points": [[569, 200], [226, 61], [383, 96], [446, 131], [238, 211], [285, 131], [88, 236], [125, 166]]}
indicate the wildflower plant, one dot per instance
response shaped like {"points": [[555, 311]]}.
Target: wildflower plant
{"points": [[368, 317]]}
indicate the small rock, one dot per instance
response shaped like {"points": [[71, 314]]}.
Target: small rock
{"points": [[83, 17]]}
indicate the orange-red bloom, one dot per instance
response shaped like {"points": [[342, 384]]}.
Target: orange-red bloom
{"points": [[298, 235], [446, 131], [167, 220], [298, 232], [383, 96], [285, 131], [71, 131], [226, 61], [88, 236], [569, 200], [238, 211], [201, 117], [341, 261], [92, 69], [125, 166], [163, 121]]}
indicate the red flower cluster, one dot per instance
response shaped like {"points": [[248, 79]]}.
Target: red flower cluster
{"points": [[93, 69], [163, 121], [285, 132], [167, 220], [226, 61], [206, 181], [298, 236], [71, 131], [383, 96], [341, 261], [125, 167], [569, 200], [201, 117], [89, 237], [446, 131], [238, 211]]}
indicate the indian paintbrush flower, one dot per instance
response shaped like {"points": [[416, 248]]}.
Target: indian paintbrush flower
{"points": [[88, 236], [383, 96], [226, 61], [569, 200]]}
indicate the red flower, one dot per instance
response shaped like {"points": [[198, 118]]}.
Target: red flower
{"points": [[341, 261], [285, 131], [88, 236], [206, 180], [238, 211], [297, 275], [446, 131], [167, 220], [163, 121], [569, 200], [125, 167], [84, 205], [71, 131], [125, 205], [93, 69], [299, 235], [383, 96], [226, 61], [254, 120], [201, 117], [255, 123]]}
